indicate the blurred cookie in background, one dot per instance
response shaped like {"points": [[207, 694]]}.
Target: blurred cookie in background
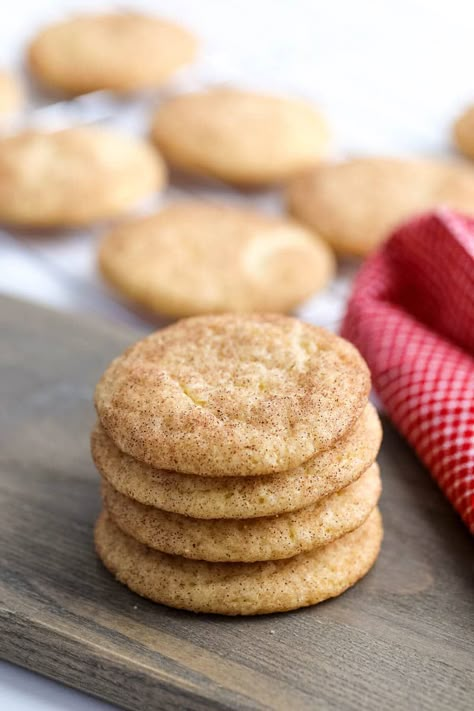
{"points": [[11, 95], [195, 258], [353, 205], [240, 137], [119, 51], [74, 177], [463, 132]]}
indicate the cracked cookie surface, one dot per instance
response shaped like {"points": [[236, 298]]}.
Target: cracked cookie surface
{"points": [[245, 395]]}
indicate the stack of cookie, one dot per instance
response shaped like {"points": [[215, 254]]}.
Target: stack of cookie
{"points": [[237, 456]]}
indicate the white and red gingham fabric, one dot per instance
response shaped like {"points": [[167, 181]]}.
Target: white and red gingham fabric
{"points": [[411, 314]]}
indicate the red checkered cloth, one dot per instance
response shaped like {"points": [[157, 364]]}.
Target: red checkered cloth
{"points": [[411, 314]]}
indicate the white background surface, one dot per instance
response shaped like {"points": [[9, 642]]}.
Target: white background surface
{"points": [[389, 75]]}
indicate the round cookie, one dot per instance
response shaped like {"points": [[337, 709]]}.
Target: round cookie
{"points": [[194, 258], [463, 132], [241, 394], [247, 540], [240, 588], [241, 497], [74, 177], [10, 94], [117, 51], [355, 204], [240, 136]]}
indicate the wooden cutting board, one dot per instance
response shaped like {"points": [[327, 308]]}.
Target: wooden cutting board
{"points": [[401, 639]]}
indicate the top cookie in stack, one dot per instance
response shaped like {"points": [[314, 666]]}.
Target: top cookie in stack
{"points": [[247, 444]]}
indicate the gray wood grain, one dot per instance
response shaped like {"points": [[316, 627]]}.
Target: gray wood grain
{"points": [[402, 638]]}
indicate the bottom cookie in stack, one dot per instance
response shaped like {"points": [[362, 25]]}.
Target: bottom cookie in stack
{"points": [[240, 588]]}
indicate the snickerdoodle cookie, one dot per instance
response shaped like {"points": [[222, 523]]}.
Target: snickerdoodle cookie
{"points": [[74, 177], [10, 94], [247, 540], [242, 497], [240, 136], [195, 258], [355, 204], [118, 51], [463, 132], [240, 588], [241, 394]]}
